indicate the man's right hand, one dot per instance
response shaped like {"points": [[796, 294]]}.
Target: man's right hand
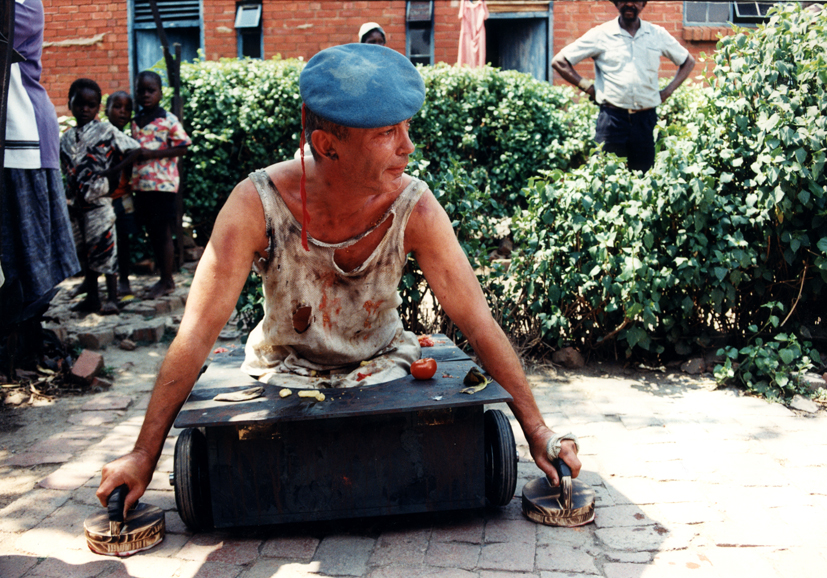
{"points": [[134, 469], [592, 94]]}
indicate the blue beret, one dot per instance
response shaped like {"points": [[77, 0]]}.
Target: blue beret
{"points": [[362, 86]]}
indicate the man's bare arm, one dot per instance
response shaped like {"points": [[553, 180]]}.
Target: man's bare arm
{"points": [[177, 151], [430, 237], [564, 68], [684, 70], [218, 281]]}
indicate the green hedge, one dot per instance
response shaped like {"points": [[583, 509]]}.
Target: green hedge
{"points": [[241, 115], [480, 135], [502, 127], [723, 242], [727, 227]]}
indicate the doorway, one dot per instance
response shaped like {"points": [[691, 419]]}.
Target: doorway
{"points": [[520, 41]]}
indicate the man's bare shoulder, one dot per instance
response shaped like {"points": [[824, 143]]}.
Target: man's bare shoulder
{"points": [[286, 175], [428, 224]]}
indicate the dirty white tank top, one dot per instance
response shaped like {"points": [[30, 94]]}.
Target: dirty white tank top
{"points": [[320, 322]]}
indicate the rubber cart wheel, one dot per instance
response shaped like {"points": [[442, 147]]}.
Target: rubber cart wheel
{"points": [[191, 480], [500, 459]]}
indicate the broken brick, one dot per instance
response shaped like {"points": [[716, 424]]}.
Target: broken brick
{"points": [[87, 366]]}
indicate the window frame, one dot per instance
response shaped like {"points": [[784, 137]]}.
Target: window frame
{"points": [[249, 30], [733, 16], [419, 25], [133, 27]]}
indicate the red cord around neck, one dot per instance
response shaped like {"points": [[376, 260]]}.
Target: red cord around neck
{"points": [[303, 190]]}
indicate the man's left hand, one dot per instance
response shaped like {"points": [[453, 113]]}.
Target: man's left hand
{"points": [[537, 443], [664, 94]]}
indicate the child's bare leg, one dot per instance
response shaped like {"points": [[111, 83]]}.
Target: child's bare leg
{"points": [[165, 258], [111, 303], [123, 265], [84, 286], [92, 302]]}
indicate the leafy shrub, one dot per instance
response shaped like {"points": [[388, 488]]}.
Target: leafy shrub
{"points": [[731, 217], [502, 127], [480, 135], [241, 115], [504, 122], [773, 369]]}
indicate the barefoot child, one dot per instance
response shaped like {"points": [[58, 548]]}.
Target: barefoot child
{"points": [[87, 152], [119, 113], [155, 179]]}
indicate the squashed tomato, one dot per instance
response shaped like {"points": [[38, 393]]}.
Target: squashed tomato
{"points": [[424, 368], [426, 341]]}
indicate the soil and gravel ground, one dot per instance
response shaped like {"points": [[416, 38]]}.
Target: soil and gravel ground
{"points": [[690, 480]]}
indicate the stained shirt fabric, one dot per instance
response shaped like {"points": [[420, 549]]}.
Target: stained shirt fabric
{"points": [[625, 66], [86, 152], [32, 131], [164, 131], [321, 322], [472, 33]]}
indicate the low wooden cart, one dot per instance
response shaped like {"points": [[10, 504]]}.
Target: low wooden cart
{"points": [[405, 446]]}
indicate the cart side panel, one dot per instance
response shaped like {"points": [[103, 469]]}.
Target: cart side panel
{"points": [[351, 467]]}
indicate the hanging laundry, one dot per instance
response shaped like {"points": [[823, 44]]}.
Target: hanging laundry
{"points": [[472, 33]]}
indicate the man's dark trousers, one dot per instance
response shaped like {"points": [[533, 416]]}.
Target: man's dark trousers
{"points": [[628, 135]]}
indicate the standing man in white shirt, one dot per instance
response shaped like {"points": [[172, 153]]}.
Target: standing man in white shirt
{"points": [[626, 54]]}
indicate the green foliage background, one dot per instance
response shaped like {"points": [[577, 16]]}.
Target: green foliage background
{"points": [[730, 219], [727, 230]]}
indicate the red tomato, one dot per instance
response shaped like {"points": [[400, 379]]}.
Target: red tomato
{"points": [[424, 368]]}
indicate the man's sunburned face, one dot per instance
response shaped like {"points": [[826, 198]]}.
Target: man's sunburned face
{"points": [[377, 157], [85, 106], [148, 93], [120, 111]]}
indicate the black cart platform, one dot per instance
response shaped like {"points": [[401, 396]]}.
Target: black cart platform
{"points": [[404, 446]]}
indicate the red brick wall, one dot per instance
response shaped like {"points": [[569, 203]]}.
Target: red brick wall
{"points": [[84, 38], [73, 45], [301, 29], [573, 18]]}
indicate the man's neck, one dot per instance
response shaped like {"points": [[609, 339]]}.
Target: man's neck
{"points": [[630, 27]]}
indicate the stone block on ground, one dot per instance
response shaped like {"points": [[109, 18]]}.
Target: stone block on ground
{"points": [[151, 331], [96, 339], [693, 366], [66, 478], [94, 418], [814, 381], [29, 459], [108, 403], [100, 384], [563, 558], [87, 367], [291, 547], [215, 547], [802, 403], [569, 358]]}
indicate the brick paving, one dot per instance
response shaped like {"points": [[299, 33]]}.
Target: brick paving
{"points": [[690, 481]]}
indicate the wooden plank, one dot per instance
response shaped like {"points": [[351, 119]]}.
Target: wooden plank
{"points": [[400, 395], [499, 6]]}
